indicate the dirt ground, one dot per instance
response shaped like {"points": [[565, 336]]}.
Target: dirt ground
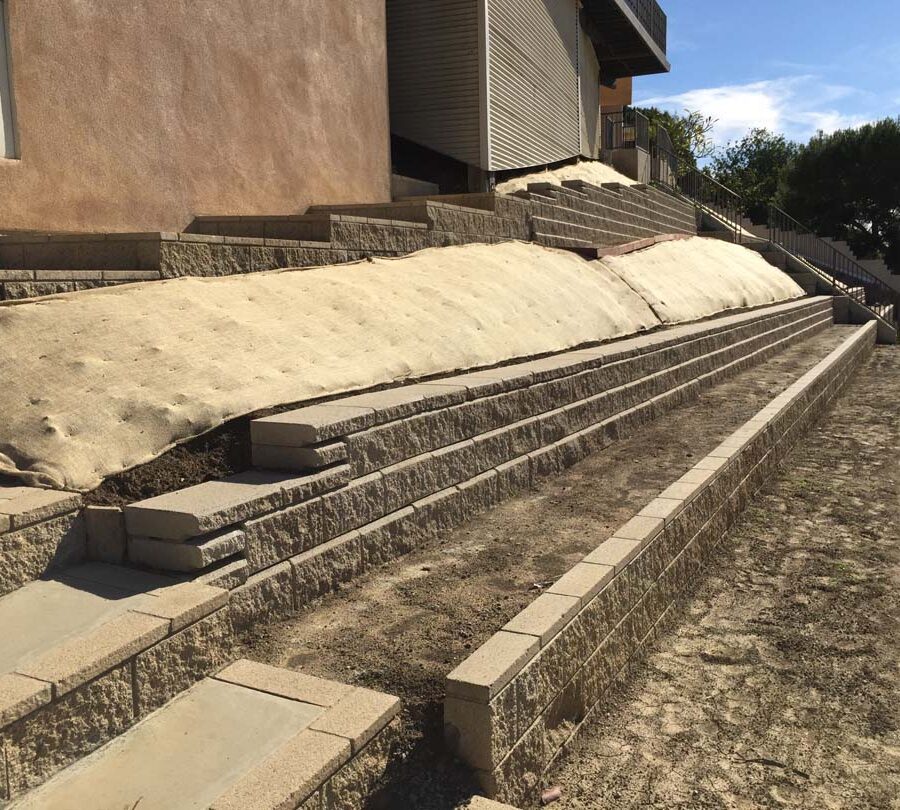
{"points": [[780, 687], [403, 627]]}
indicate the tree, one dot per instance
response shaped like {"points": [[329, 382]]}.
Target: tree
{"points": [[752, 167], [847, 185], [690, 133]]}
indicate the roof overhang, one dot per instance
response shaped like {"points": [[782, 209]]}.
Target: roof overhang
{"points": [[628, 35]]}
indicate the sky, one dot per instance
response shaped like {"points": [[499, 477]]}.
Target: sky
{"points": [[793, 66]]}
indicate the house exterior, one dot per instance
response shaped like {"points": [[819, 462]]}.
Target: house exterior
{"points": [[141, 116], [138, 116], [510, 84]]}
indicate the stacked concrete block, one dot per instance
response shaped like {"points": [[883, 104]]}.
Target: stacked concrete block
{"points": [[573, 215], [366, 477], [252, 736], [515, 704], [40, 531]]}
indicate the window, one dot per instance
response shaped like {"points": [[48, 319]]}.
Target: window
{"points": [[7, 124]]}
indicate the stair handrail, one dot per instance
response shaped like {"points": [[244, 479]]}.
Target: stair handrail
{"points": [[844, 272], [708, 193]]}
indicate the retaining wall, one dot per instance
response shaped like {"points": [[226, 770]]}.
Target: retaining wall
{"points": [[515, 704], [577, 215]]}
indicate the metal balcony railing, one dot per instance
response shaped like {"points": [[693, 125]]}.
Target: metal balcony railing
{"points": [[653, 18], [663, 160], [628, 129]]}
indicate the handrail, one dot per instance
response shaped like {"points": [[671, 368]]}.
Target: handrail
{"points": [[710, 194], [844, 273], [626, 130], [653, 18], [663, 160]]}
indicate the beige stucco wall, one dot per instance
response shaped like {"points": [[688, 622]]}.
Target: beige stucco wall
{"points": [[139, 115]]}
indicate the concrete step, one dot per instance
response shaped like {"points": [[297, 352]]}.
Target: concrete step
{"points": [[253, 737]]}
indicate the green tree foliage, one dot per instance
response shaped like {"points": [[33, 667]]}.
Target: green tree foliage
{"points": [[847, 185], [753, 166], [690, 133]]}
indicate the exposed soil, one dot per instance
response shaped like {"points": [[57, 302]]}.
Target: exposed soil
{"points": [[402, 628], [780, 687]]}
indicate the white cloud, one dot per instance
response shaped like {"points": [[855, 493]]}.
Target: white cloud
{"points": [[797, 106]]}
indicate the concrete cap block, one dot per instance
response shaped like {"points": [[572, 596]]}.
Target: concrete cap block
{"points": [[682, 491], [185, 603], [21, 695], [79, 659], [288, 776], [493, 665], [545, 616], [310, 485], [616, 552], [284, 683], [713, 463], [583, 581], [662, 508], [408, 400], [487, 383], [23, 506], [311, 425], [359, 716], [696, 477], [191, 555], [727, 450], [641, 528], [283, 457], [206, 507]]}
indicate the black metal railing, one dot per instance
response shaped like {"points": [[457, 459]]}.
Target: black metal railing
{"points": [[842, 271], [663, 160], [653, 18], [710, 195], [628, 129]]}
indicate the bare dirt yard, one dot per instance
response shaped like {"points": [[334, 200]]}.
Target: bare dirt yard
{"points": [[780, 688]]}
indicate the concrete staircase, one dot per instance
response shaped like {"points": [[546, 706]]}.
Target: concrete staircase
{"points": [[573, 215]]}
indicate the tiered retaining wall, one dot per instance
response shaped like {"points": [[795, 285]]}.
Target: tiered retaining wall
{"points": [[518, 700], [577, 215]]}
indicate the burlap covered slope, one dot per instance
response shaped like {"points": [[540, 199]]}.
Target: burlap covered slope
{"points": [[688, 279], [100, 382], [590, 171]]}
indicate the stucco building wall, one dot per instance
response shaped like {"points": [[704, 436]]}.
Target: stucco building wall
{"points": [[137, 116]]}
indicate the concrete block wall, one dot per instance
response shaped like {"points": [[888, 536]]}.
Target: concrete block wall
{"points": [[364, 478], [515, 704], [577, 215]]}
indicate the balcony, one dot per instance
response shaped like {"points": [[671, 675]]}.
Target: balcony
{"points": [[629, 35]]}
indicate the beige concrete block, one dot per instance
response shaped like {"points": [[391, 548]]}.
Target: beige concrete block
{"points": [[641, 528], [482, 734], [616, 552], [408, 400], [697, 477], [711, 463], [284, 683], [228, 574], [283, 457], [20, 695], [325, 568], [67, 729], [583, 581], [28, 553], [493, 665], [311, 425], [393, 536], [545, 616], [513, 477], [661, 508], [23, 506], [171, 666], [105, 532], [362, 501], [185, 603], [289, 776], [358, 716], [188, 555], [267, 596], [206, 507], [354, 785], [283, 534], [77, 660]]}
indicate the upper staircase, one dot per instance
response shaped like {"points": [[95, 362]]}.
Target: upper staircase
{"points": [[818, 264]]}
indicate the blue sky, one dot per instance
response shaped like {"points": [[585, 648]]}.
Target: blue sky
{"points": [[794, 66]]}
